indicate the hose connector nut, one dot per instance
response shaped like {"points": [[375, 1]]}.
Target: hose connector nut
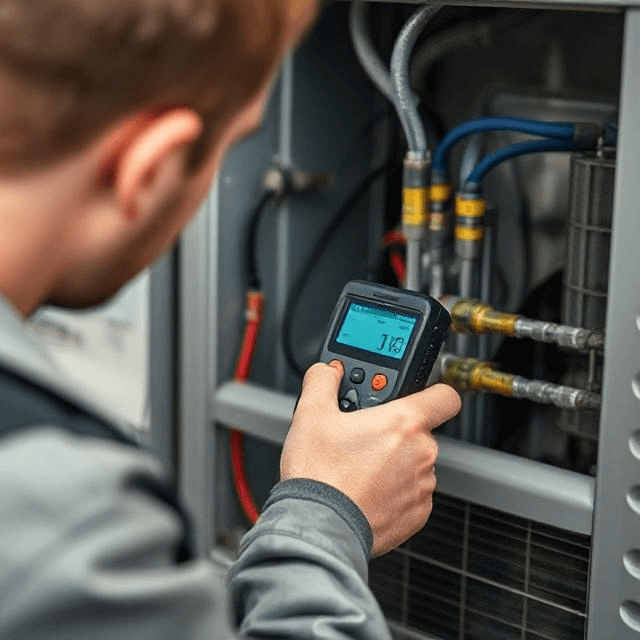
{"points": [[475, 317], [469, 231], [587, 134], [415, 193], [441, 193]]}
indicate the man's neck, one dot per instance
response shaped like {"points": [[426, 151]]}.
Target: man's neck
{"points": [[30, 236]]}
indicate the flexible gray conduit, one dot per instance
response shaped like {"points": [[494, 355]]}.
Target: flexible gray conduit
{"points": [[441, 44], [367, 55], [405, 104]]}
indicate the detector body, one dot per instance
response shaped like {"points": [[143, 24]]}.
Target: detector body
{"points": [[387, 340]]}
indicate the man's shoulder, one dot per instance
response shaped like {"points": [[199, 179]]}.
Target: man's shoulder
{"points": [[51, 481], [24, 358]]}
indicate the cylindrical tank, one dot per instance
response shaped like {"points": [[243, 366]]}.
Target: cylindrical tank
{"points": [[586, 273], [584, 294]]}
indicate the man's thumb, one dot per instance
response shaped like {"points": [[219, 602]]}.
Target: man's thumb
{"points": [[321, 384]]}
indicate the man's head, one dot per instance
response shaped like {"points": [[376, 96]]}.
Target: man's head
{"points": [[114, 117]]}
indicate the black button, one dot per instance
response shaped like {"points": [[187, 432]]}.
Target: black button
{"points": [[350, 401], [352, 396], [357, 375], [346, 405]]}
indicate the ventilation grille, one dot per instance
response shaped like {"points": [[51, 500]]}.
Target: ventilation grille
{"points": [[478, 574]]}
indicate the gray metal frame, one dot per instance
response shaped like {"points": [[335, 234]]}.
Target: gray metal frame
{"points": [[615, 565], [162, 357], [196, 366], [491, 478]]}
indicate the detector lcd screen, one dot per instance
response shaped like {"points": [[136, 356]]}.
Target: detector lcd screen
{"points": [[376, 330]]}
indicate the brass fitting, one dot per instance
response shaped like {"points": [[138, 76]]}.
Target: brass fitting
{"points": [[415, 193], [479, 318], [470, 228], [415, 206], [441, 192], [469, 374]]}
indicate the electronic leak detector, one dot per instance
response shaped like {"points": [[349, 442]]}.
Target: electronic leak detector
{"points": [[387, 339]]}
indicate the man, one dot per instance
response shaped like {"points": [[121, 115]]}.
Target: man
{"points": [[114, 118]]}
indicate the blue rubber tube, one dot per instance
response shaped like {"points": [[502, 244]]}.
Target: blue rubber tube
{"points": [[531, 146], [555, 130]]}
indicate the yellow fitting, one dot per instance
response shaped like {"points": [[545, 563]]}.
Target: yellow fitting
{"points": [[471, 208], [486, 378], [458, 373], [469, 374], [469, 315], [469, 233], [488, 319], [415, 205], [441, 192]]}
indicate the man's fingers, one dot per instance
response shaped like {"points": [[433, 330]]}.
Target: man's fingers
{"points": [[434, 405], [321, 384]]}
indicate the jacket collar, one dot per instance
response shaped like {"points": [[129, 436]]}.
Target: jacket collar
{"points": [[22, 353]]}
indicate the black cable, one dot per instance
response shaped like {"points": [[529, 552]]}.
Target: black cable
{"points": [[300, 281], [253, 278]]}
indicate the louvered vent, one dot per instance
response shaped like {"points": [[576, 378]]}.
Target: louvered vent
{"points": [[478, 574]]}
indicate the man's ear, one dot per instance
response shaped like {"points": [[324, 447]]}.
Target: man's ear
{"points": [[151, 165]]}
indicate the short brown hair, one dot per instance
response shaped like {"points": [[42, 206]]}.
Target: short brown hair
{"points": [[71, 68]]}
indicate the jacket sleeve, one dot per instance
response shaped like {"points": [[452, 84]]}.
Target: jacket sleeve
{"points": [[89, 548], [302, 570], [89, 552]]}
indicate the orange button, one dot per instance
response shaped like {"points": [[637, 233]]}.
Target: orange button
{"points": [[378, 382]]}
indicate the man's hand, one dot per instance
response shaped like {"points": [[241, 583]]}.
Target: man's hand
{"points": [[382, 458]]}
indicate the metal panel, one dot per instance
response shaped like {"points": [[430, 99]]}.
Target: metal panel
{"points": [[162, 358], [197, 350], [616, 531], [490, 478]]}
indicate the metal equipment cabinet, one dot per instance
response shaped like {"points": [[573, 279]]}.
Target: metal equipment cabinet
{"points": [[197, 303]]}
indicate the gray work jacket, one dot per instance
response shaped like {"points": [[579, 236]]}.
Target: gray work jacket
{"points": [[87, 549]]}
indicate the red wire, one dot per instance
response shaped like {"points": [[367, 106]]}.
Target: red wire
{"points": [[243, 366], [254, 311], [393, 237], [398, 265], [240, 480]]}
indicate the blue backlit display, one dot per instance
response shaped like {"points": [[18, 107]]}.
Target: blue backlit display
{"points": [[376, 330]]}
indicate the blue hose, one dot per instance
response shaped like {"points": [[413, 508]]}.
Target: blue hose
{"points": [[515, 150], [555, 130]]}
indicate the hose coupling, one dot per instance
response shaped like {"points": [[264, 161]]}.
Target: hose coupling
{"points": [[588, 134], [476, 317], [470, 209], [469, 374], [415, 196]]}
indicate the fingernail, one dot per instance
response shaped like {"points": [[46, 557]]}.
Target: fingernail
{"points": [[336, 364]]}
